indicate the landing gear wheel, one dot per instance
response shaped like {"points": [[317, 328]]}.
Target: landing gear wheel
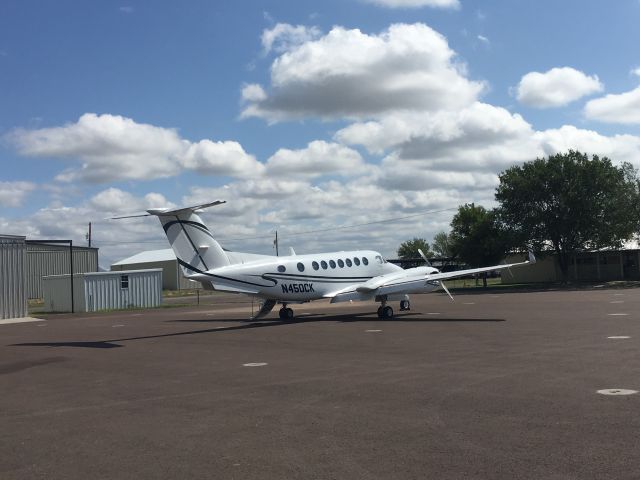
{"points": [[380, 312], [286, 313], [405, 305], [387, 312]]}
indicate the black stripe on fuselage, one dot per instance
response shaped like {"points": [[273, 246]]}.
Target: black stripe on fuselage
{"points": [[197, 270], [317, 278]]}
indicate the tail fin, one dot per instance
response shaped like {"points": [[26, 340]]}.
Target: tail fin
{"points": [[192, 242]]}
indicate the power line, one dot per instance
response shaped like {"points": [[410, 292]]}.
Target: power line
{"points": [[344, 227], [295, 234]]}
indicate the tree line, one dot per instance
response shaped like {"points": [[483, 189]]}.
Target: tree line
{"points": [[564, 204]]}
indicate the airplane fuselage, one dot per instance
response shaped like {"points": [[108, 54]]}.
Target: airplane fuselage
{"points": [[302, 278]]}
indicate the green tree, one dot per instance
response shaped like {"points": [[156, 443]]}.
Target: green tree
{"points": [[441, 244], [570, 203], [409, 249], [476, 237]]}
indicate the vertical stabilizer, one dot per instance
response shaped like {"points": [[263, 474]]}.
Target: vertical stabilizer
{"points": [[191, 240]]}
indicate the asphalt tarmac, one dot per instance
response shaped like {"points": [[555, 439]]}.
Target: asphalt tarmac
{"points": [[491, 386]]}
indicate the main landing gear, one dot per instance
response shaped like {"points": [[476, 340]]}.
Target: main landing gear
{"points": [[386, 312], [285, 312]]}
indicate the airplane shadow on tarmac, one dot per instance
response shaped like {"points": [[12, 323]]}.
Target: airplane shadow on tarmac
{"points": [[249, 324]]}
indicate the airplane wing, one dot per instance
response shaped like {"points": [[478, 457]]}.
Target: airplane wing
{"points": [[472, 271], [411, 280]]}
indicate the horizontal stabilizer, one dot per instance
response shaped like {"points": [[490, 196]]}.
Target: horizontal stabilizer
{"points": [[160, 212], [177, 211]]}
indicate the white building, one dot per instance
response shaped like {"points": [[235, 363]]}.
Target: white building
{"points": [[103, 291], [172, 278]]}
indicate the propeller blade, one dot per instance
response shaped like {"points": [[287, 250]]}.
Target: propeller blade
{"points": [[444, 287], [424, 257]]}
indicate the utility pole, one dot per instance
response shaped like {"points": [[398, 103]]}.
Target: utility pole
{"points": [[89, 235]]}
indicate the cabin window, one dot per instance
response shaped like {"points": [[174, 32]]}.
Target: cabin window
{"points": [[300, 266], [315, 265], [340, 263], [281, 268], [348, 262], [332, 264], [356, 260], [124, 281], [365, 260], [324, 264]]}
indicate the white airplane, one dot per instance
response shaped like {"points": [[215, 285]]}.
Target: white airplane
{"points": [[358, 275]]}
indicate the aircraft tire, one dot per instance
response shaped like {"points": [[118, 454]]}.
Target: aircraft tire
{"points": [[387, 312], [379, 312]]}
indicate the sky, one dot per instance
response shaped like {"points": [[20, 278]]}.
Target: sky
{"points": [[340, 124]]}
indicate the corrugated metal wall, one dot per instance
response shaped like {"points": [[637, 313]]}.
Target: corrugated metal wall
{"points": [[106, 290], [172, 278], [56, 292], [43, 260], [169, 276], [13, 294]]}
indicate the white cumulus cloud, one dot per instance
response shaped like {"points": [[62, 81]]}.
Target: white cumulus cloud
{"points": [[117, 201], [620, 108], [283, 36], [221, 158], [112, 147], [556, 87], [474, 138], [13, 194], [319, 158], [416, 3], [348, 73]]}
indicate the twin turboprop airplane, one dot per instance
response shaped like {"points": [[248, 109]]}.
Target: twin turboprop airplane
{"points": [[359, 275]]}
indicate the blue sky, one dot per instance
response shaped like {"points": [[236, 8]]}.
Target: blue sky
{"points": [[302, 115]]}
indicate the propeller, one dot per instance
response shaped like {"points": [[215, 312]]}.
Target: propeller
{"points": [[444, 287], [424, 257]]}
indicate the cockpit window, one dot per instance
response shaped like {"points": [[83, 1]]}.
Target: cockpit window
{"points": [[379, 259], [281, 268]]}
